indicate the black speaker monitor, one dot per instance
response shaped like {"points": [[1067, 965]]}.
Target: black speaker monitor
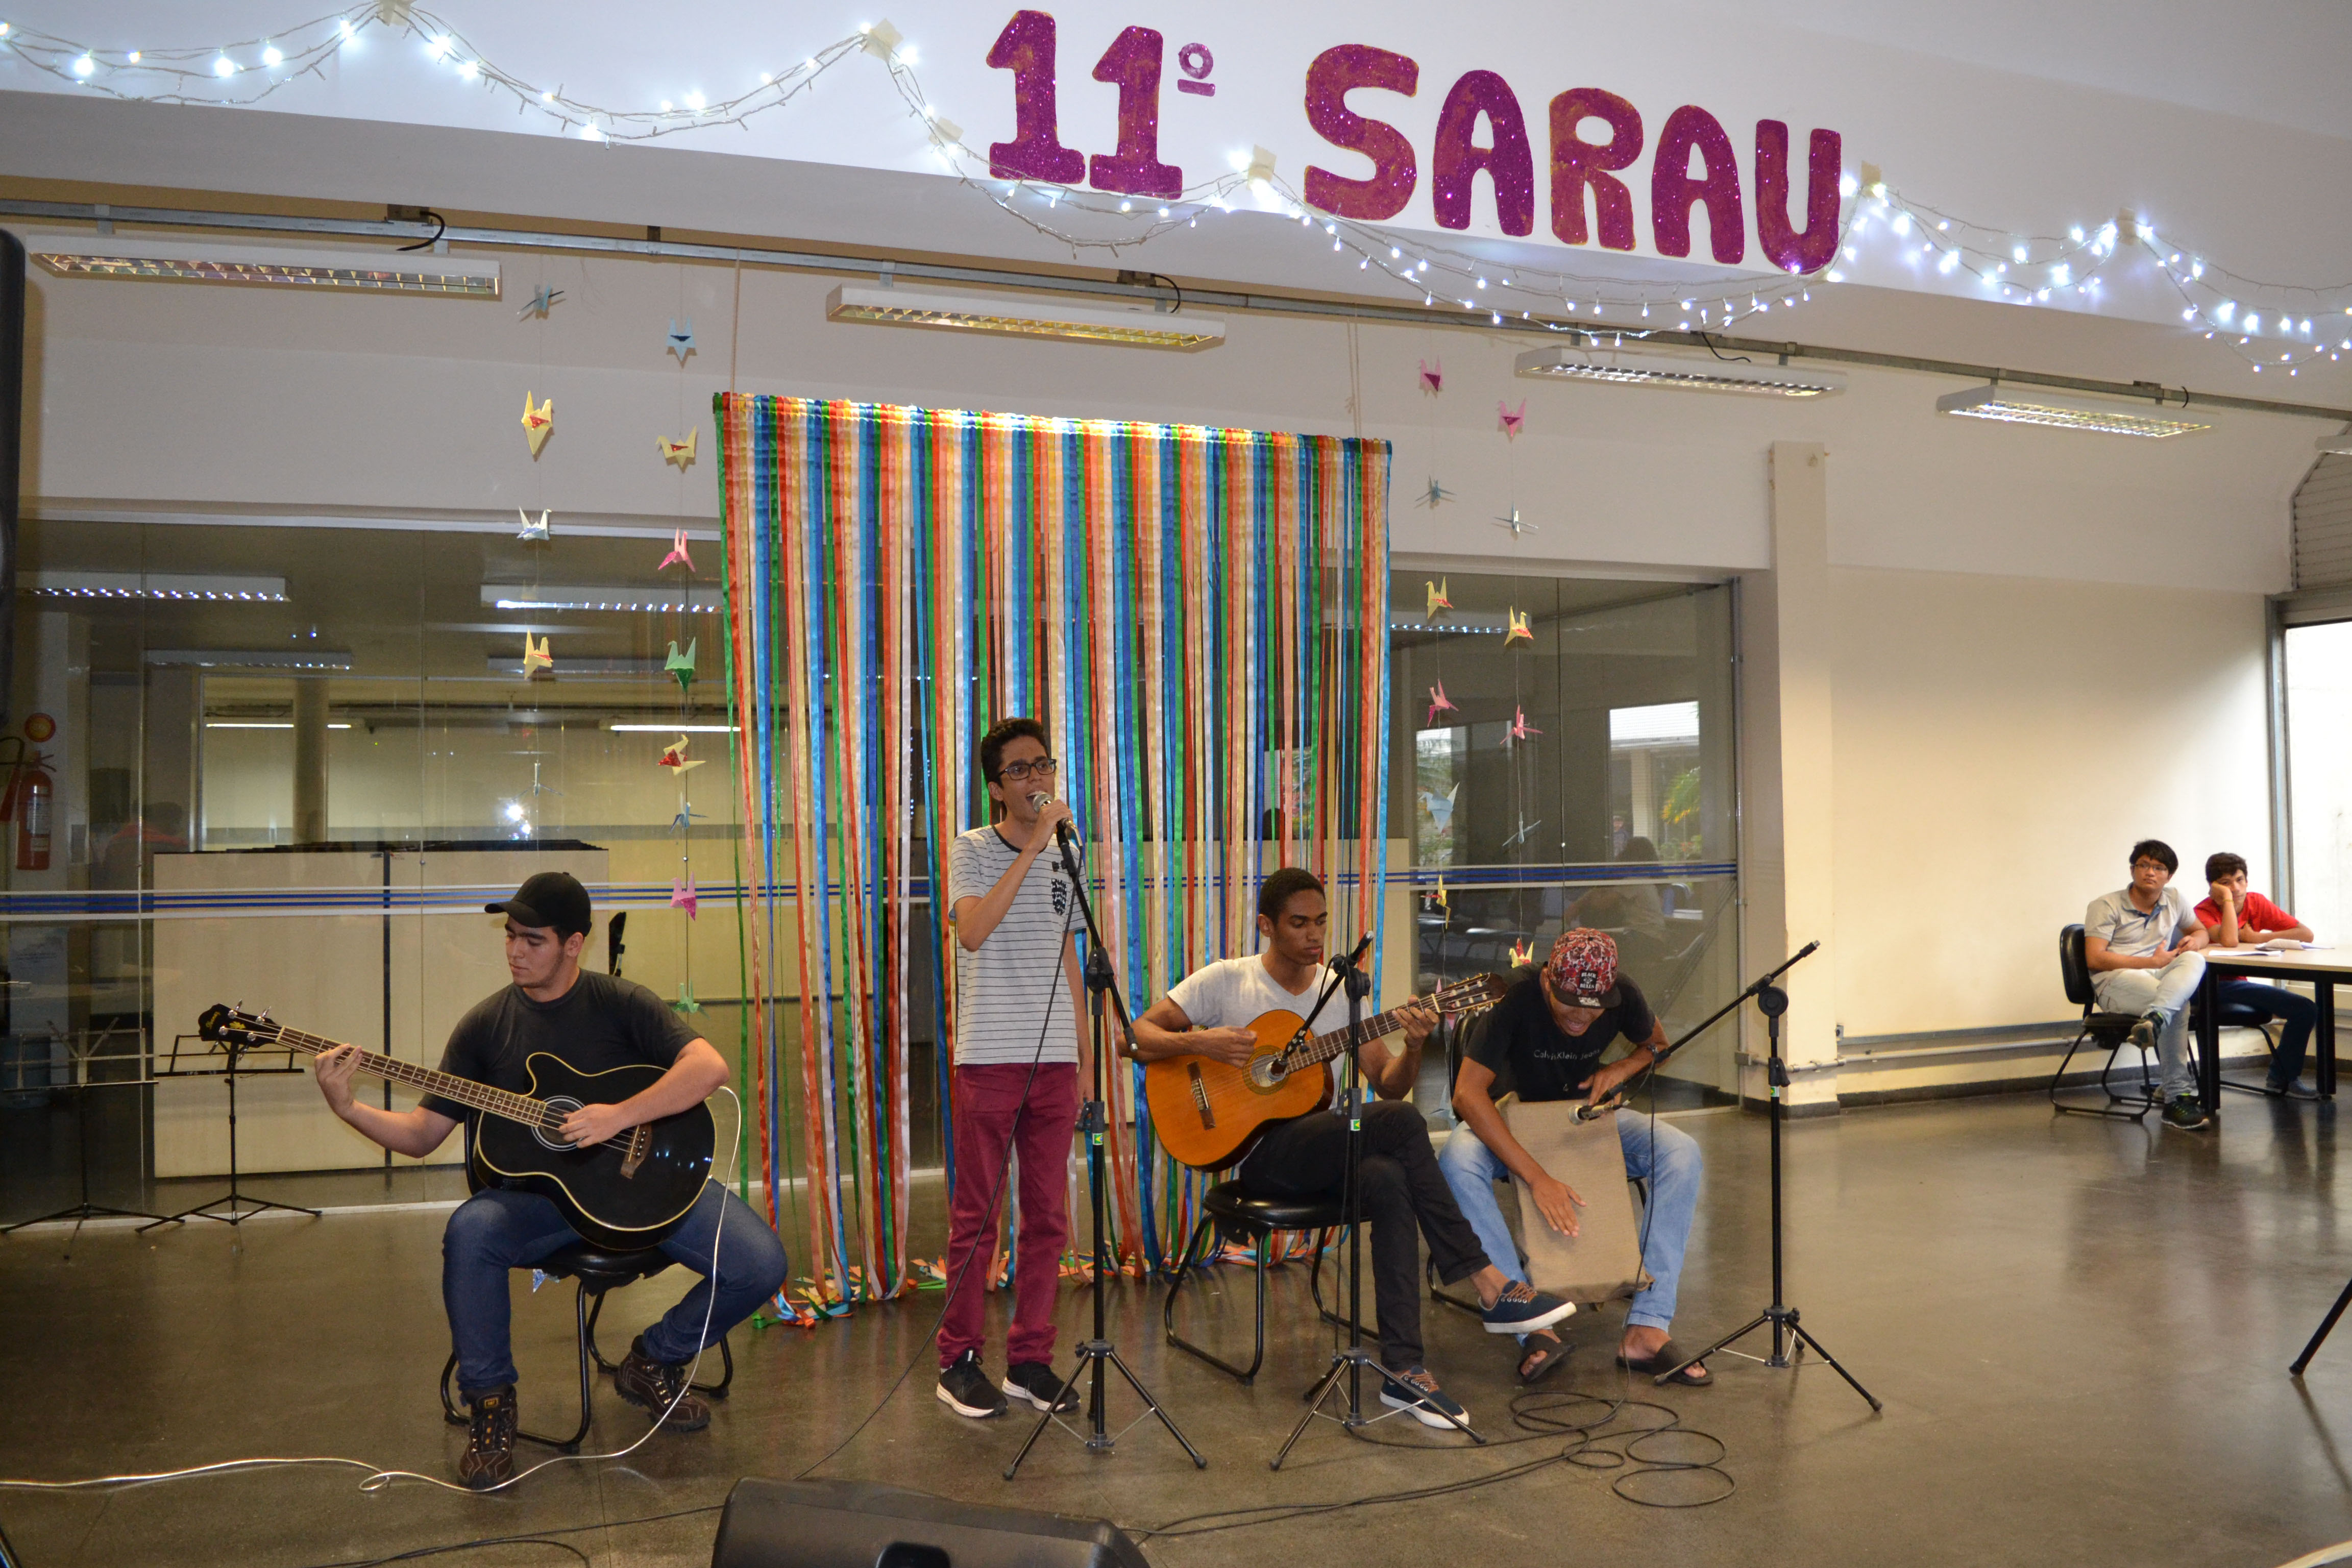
{"points": [[859, 1524]]}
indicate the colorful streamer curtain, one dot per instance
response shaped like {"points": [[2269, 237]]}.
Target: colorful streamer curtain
{"points": [[1200, 619]]}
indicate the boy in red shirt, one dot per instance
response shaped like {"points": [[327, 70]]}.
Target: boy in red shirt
{"points": [[2239, 919]]}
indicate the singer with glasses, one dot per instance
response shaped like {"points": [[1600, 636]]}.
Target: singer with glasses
{"points": [[1401, 1192], [1021, 1053]]}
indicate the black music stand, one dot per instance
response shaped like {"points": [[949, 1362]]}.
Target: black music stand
{"points": [[85, 1211], [242, 1207]]}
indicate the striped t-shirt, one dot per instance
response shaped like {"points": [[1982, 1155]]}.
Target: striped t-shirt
{"points": [[1011, 991]]}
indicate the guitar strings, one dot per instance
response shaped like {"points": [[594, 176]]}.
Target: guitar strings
{"points": [[548, 1118]]}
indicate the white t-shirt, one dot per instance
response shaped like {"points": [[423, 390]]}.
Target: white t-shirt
{"points": [[1231, 993], [1011, 991]]}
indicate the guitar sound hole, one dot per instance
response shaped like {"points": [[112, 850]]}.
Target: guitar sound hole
{"points": [[1262, 1075], [558, 1109]]}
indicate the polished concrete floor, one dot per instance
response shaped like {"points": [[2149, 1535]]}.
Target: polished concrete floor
{"points": [[2080, 1331]]}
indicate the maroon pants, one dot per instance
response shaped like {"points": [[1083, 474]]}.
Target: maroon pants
{"points": [[991, 1114]]}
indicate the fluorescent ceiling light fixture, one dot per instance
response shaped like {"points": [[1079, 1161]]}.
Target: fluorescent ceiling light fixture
{"points": [[184, 586], [1686, 375], [258, 724], [593, 597], [674, 729], [249, 659], [195, 261], [1043, 317], [2015, 405]]}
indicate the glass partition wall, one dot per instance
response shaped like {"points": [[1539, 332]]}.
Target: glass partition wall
{"points": [[1563, 755]]}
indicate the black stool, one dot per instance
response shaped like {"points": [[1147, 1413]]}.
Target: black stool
{"points": [[597, 1271], [1226, 1207]]}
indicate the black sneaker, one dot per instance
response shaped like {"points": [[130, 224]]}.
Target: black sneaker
{"points": [[1035, 1381], [965, 1389], [657, 1387], [489, 1460], [1522, 1309], [1415, 1392], [2184, 1112]]}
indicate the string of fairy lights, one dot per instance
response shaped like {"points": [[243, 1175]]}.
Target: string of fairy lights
{"points": [[2271, 326]]}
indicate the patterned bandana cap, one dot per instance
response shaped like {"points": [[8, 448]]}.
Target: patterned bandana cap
{"points": [[1582, 968]]}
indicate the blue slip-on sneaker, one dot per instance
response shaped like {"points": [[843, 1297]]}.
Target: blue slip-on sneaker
{"points": [[1522, 1309]]}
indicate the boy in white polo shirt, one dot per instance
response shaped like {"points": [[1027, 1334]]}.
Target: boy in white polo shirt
{"points": [[2141, 944]]}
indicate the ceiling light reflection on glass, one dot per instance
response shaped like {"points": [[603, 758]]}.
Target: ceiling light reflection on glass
{"points": [[182, 586], [600, 596]]}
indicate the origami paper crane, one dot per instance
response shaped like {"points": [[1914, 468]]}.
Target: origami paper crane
{"points": [[684, 820], [1518, 630], [542, 298], [538, 788], [537, 422], [535, 657], [1522, 954], [685, 1001], [681, 343], [1433, 376], [1436, 897], [682, 664], [1438, 704], [1520, 729], [1437, 599], [1521, 836], [1432, 496], [678, 452], [682, 894], [678, 555], [1516, 523], [1439, 807], [1511, 420], [535, 532], [674, 755]]}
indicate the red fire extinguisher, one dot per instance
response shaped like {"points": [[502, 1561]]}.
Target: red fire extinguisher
{"points": [[36, 801]]}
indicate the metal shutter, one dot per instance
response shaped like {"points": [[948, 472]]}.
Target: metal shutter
{"points": [[2323, 525]]}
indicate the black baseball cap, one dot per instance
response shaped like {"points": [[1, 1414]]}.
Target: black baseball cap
{"points": [[549, 899]]}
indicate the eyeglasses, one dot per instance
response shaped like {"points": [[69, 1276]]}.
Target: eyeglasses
{"points": [[1019, 772]]}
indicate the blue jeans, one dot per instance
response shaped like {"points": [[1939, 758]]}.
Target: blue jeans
{"points": [[2300, 1013], [1671, 1169], [496, 1230]]}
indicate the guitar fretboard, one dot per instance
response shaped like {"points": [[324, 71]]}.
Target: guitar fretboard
{"points": [[448, 1085], [1323, 1048]]}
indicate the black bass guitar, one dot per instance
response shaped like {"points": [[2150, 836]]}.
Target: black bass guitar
{"points": [[626, 1192]]}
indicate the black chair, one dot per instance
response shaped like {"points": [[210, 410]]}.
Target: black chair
{"points": [[597, 1272], [2112, 1030], [1227, 1209], [2236, 1016]]}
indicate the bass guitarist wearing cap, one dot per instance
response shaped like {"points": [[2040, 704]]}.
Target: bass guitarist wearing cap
{"points": [[592, 1023], [1544, 1041]]}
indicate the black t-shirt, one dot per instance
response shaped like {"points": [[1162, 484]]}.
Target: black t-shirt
{"points": [[602, 1022], [1529, 1053]]}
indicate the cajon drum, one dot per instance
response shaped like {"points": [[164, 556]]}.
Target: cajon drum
{"points": [[1603, 1260]]}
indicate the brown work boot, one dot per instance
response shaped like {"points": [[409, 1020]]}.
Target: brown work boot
{"points": [[490, 1440], [653, 1386]]}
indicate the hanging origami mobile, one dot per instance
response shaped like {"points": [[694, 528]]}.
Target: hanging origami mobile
{"points": [[1440, 806], [1437, 599], [674, 755], [682, 894], [535, 657], [534, 532], [681, 343], [1433, 376], [682, 664], [1438, 704], [678, 555], [537, 422], [678, 452], [1432, 496], [1520, 729], [1526, 828], [1516, 523], [543, 299], [1518, 630], [1522, 954], [1437, 899], [684, 820], [685, 1001], [1511, 420]]}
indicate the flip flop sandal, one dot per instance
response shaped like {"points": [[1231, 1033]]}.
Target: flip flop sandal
{"points": [[1539, 1360], [1669, 1356]]}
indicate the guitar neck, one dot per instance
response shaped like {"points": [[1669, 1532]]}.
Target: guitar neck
{"points": [[448, 1086], [1323, 1048]]}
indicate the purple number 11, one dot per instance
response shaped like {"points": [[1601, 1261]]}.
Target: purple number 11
{"points": [[1131, 64]]}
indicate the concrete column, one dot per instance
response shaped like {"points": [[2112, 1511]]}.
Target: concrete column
{"points": [[310, 762], [1787, 779]]}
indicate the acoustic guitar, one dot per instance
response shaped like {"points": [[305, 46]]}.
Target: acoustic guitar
{"points": [[622, 1195], [1207, 1113]]}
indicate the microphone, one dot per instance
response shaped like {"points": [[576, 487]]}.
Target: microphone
{"points": [[1341, 965], [1038, 801]]}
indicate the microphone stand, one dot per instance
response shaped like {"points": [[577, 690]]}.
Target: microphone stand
{"points": [[1787, 1331], [1102, 993], [1353, 1362]]}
